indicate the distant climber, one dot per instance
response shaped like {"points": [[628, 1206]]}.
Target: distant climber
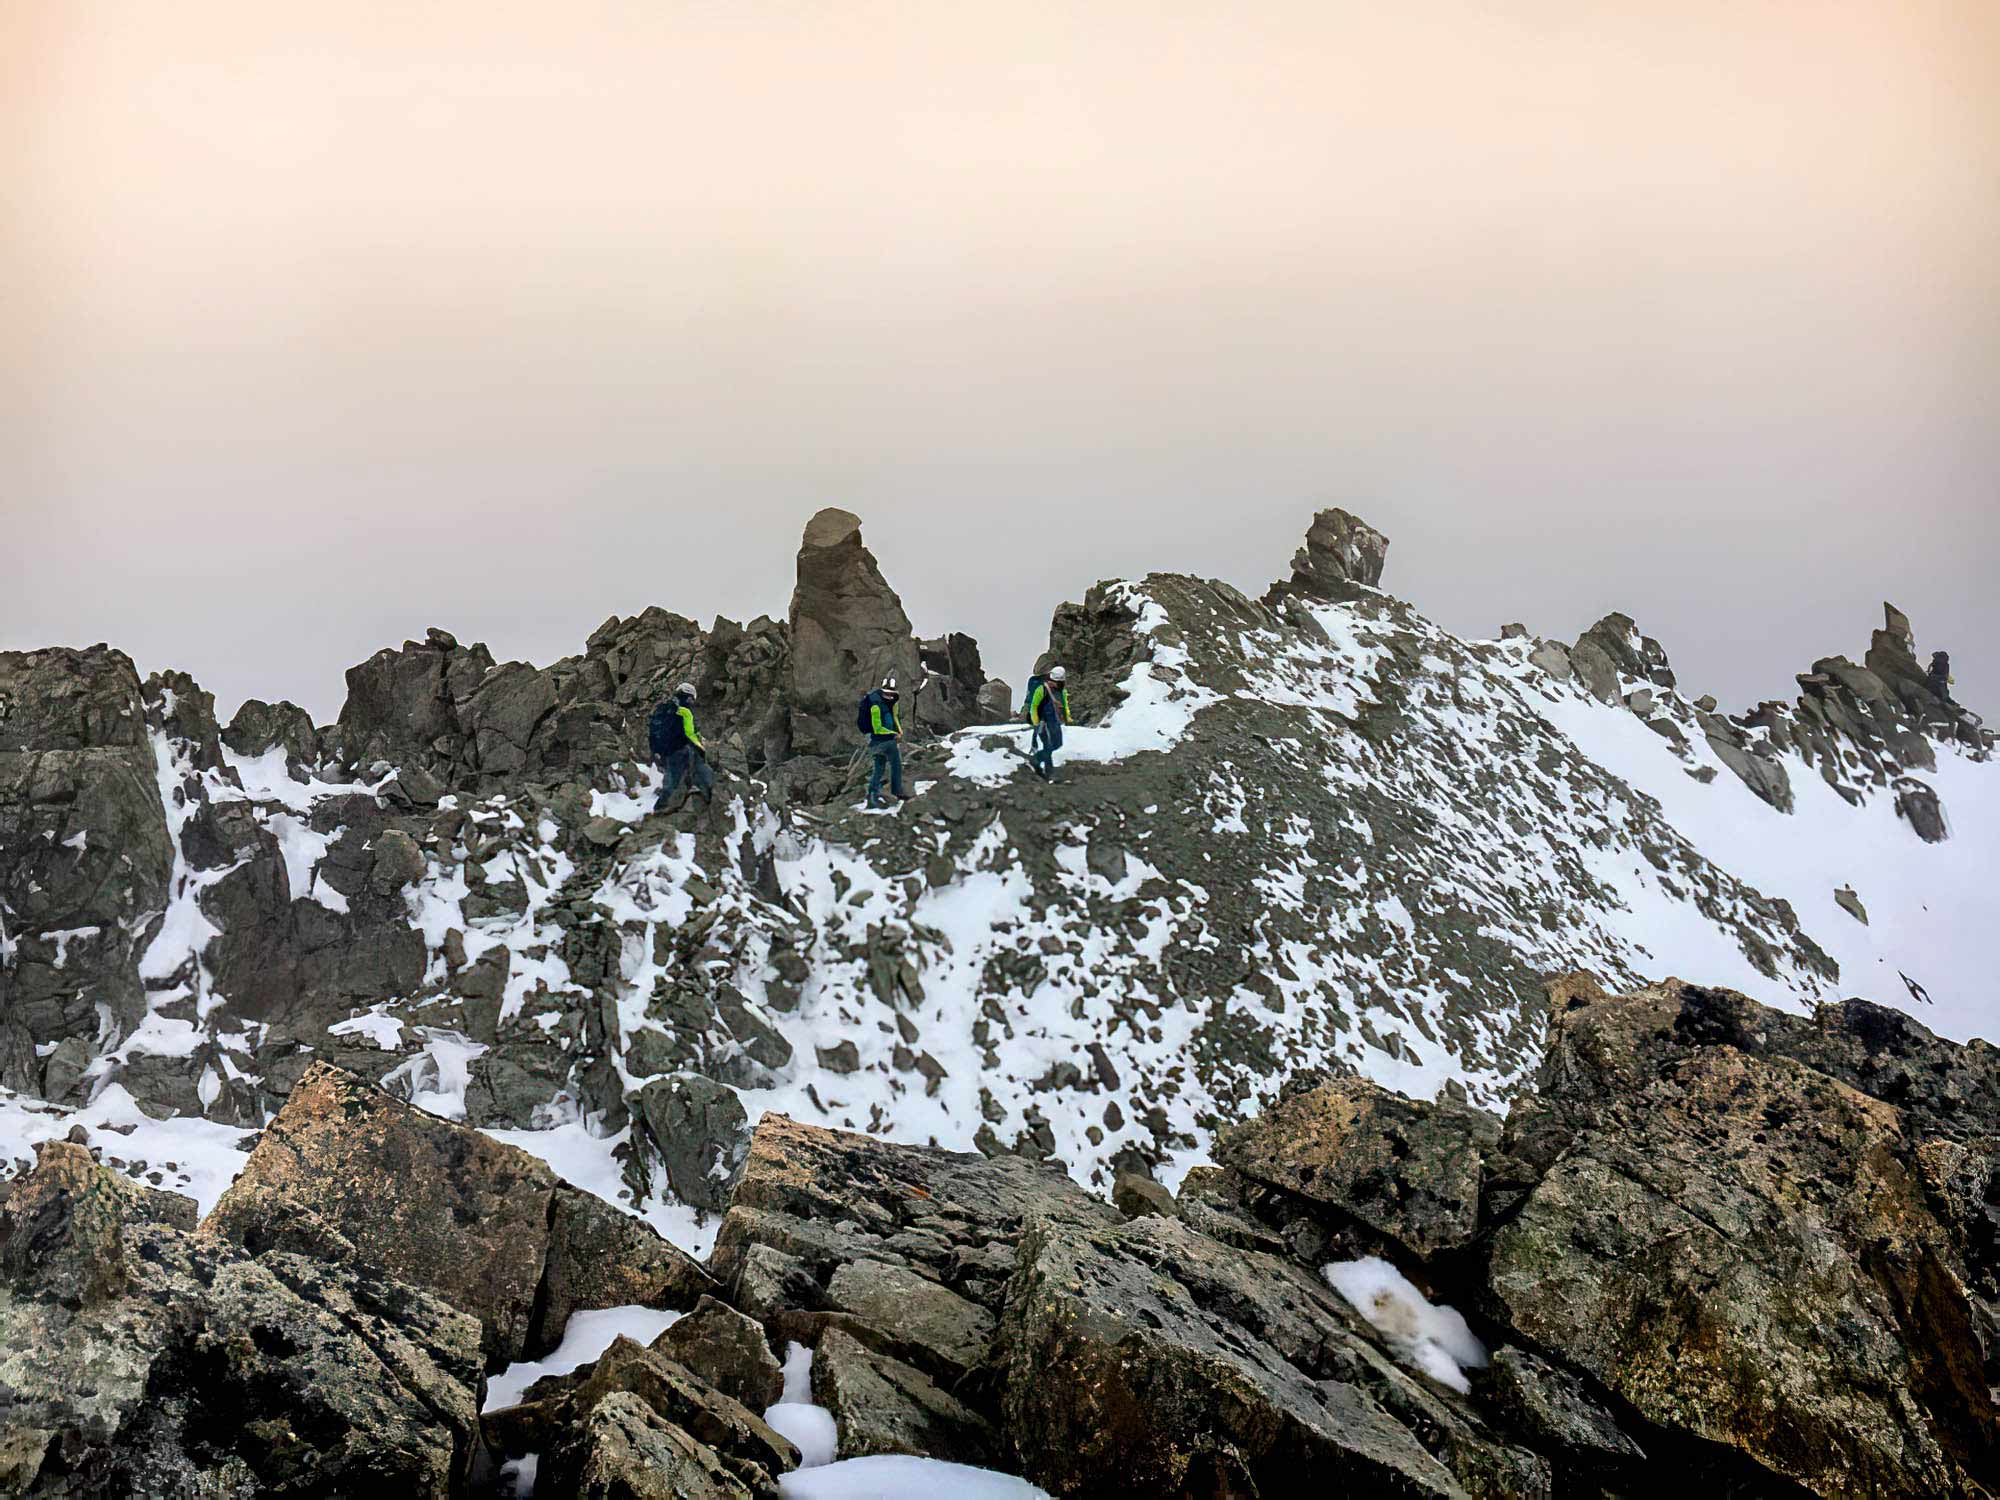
{"points": [[1940, 675], [1048, 711], [885, 748], [677, 748]]}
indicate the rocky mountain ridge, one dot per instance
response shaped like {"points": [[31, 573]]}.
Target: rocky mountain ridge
{"points": [[1311, 832]]}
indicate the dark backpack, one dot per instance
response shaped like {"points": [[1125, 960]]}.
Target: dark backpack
{"points": [[664, 733], [1028, 703], [862, 720]]}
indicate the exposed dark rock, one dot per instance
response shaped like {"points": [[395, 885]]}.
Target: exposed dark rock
{"points": [[600, 1256], [1409, 1171], [1149, 1359], [727, 1350], [259, 727], [1136, 1196], [1553, 1412], [637, 1424], [948, 1328], [445, 1208], [1740, 1247], [700, 1130], [1340, 551], [849, 632], [1917, 803], [622, 1449], [85, 856], [881, 1405], [139, 1359]]}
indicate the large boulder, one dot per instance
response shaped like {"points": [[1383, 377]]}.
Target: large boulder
{"points": [[1340, 552], [849, 631], [1408, 1171], [701, 1132], [485, 1226], [907, 1247], [636, 1424], [1731, 1221], [1151, 1360], [727, 1350], [882, 1405], [137, 1358]]}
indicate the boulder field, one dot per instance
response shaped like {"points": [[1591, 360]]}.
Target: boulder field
{"points": [[1711, 1245]]}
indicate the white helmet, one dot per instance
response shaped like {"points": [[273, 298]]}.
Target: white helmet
{"points": [[685, 690], [889, 686], [1057, 674]]}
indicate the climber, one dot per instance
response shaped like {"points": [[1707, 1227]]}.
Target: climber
{"points": [[1048, 711], [677, 748], [885, 734], [1940, 675]]}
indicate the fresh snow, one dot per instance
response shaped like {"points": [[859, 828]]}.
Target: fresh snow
{"points": [[585, 1160], [1929, 905], [587, 1336], [896, 1477], [193, 1156], [1432, 1339], [810, 1428]]}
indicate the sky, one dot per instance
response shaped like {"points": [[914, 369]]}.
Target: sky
{"points": [[321, 325]]}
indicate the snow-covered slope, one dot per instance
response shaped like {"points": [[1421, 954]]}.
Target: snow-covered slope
{"points": [[1316, 832]]}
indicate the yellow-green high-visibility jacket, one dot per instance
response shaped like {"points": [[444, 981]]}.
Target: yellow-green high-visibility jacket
{"points": [[1045, 691]]}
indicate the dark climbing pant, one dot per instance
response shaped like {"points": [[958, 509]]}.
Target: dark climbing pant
{"points": [[888, 761], [1048, 740], [678, 764]]}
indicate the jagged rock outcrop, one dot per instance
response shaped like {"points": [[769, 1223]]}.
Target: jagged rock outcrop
{"points": [[1862, 728], [849, 632], [86, 864], [1341, 551], [1744, 1246], [636, 1425], [1314, 835], [1713, 1231], [137, 1358], [1409, 1174], [484, 1226]]}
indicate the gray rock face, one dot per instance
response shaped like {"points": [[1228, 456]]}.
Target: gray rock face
{"points": [[728, 1350], [1408, 1171], [1699, 1205], [439, 1206], [881, 1405], [85, 859], [849, 631], [636, 1425], [260, 726], [1149, 1359], [701, 1133], [1340, 551], [140, 1359], [1557, 1415]]}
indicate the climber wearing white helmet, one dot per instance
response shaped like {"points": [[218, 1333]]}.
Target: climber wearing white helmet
{"points": [[1047, 711], [877, 719], [677, 748]]}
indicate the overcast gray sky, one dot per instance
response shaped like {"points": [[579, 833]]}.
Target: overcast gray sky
{"points": [[319, 325]]}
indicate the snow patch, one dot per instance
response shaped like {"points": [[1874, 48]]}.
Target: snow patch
{"points": [[586, 1337], [1429, 1338]]}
